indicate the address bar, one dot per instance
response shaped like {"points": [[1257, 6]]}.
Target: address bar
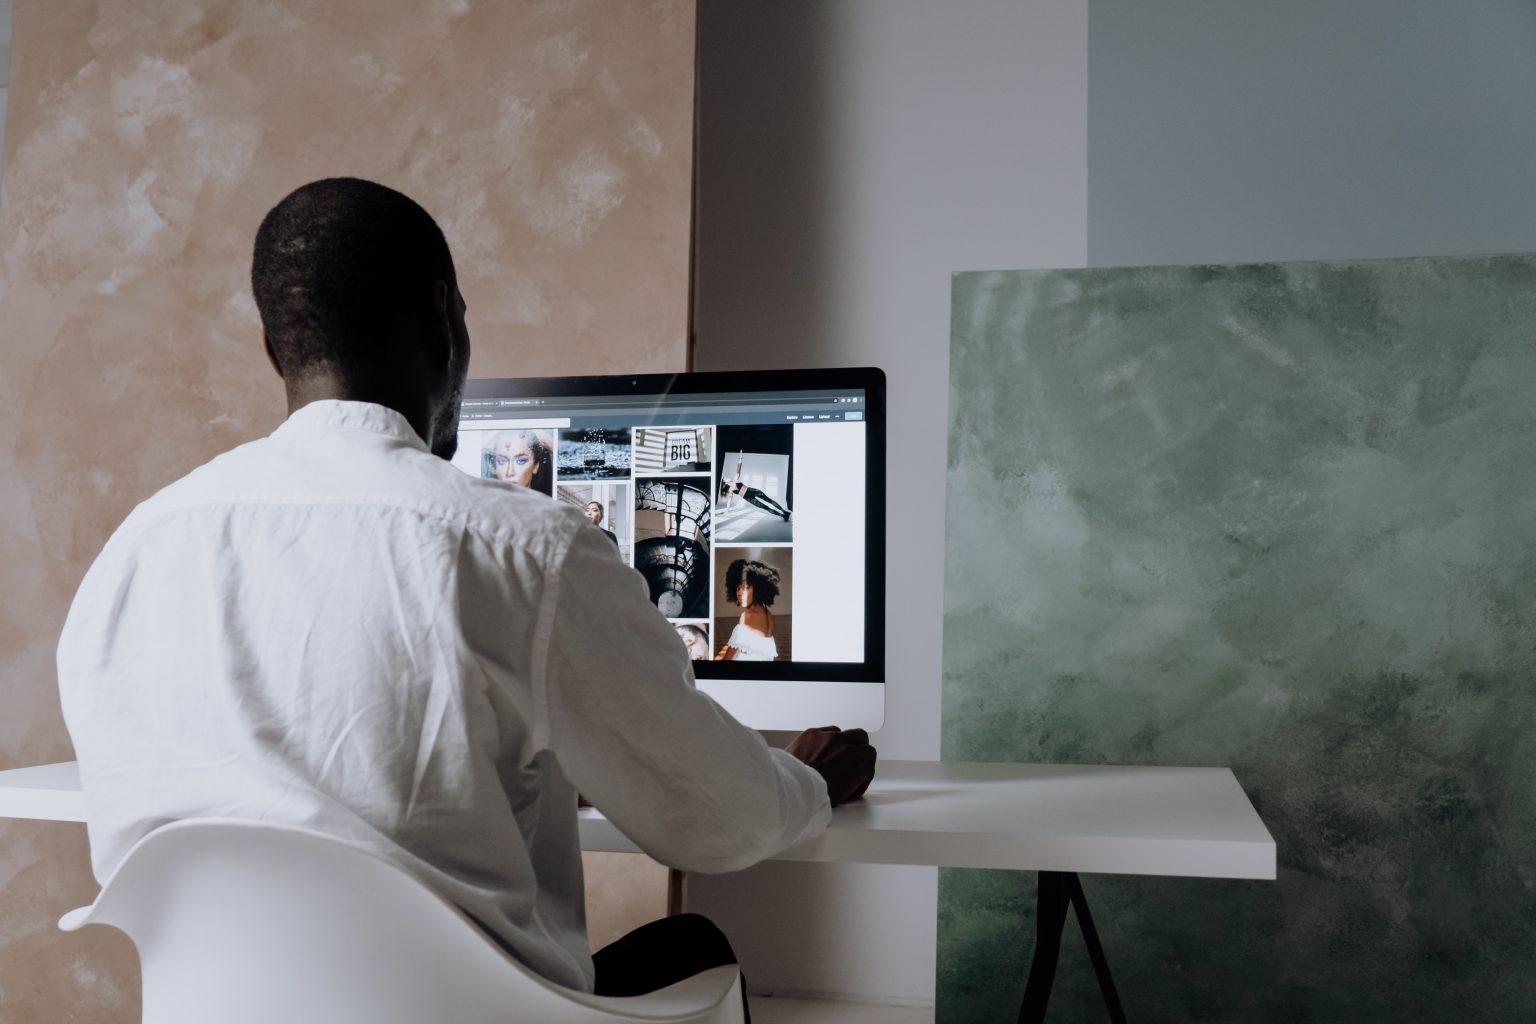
{"points": [[546, 422]]}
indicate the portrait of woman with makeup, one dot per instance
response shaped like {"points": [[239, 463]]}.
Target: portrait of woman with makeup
{"points": [[524, 457]]}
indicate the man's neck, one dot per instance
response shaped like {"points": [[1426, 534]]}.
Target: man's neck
{"points": [[321, 387]]}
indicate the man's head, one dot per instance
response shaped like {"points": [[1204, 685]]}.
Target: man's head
{"points": [[359, 300]]}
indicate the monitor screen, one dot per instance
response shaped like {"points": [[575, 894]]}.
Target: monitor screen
{"points": [[751, 503]]}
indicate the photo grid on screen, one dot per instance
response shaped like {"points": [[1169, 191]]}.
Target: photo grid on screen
{"points": [[705, 512], [753, 492]]}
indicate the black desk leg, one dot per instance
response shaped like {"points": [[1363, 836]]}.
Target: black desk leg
{"points": [[1057, 891]]}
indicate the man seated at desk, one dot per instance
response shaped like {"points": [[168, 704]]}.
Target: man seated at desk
{"points": [[333, 627]]}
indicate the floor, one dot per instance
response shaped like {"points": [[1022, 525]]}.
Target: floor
{"points": [[767, 1010]]}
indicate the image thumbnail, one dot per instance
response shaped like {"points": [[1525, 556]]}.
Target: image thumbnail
{"points": [[672, 539], [520, 456], [754, 485], [695, 638], [607, 506], [753, 599], [593, 453], [673, 449]]}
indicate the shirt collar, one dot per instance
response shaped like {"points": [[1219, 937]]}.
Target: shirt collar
{"points": [[334, 414]]}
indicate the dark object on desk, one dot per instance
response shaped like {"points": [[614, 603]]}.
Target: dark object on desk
{"points": [[844, 758]]}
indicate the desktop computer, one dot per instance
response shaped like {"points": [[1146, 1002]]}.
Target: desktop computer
{"points": [[753, 504]]}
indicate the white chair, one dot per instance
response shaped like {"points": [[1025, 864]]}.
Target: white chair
{"points": [[241, 922]]}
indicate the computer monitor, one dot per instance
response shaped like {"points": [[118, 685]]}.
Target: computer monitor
{"points": [[752, 503]]}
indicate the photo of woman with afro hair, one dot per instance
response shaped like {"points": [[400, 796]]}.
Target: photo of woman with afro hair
{"points": [[757, 581]]}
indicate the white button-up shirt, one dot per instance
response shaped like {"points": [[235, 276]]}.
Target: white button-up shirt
{"points": [[332, 627]]}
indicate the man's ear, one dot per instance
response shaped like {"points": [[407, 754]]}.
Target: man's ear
{"points": [[442, 297], [266, 343]]}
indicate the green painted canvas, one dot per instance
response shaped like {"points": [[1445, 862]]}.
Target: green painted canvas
{"points": [[1280, 518]]}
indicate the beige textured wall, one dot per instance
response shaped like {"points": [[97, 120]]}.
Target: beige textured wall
{"points": [[553, 142]]}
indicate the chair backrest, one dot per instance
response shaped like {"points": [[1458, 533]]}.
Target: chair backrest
{"points": [[247, 922]]}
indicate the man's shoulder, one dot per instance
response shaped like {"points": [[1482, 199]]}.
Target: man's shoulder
{"points": [[505, 511], [201, 485], [408, 482]]}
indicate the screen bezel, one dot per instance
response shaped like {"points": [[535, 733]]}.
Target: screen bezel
{"points": [[870, 379]]}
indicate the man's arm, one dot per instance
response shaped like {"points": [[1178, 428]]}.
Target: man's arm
{"points": [[689, 784]]}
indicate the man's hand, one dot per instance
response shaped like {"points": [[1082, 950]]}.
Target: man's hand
{"points": [[844, 759]]}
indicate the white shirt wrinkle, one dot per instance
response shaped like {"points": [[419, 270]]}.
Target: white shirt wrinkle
{"points": [[331, 627], [343, 734]]}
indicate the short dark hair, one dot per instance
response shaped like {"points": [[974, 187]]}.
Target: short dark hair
{"points": [[338, 263], [760, 576]]}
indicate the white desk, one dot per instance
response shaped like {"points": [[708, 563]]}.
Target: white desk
{"points": [[1191, 822], [1055, 819], [49, 791]]}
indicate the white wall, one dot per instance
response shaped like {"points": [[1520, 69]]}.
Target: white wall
{"points": [[852, 155], [1310, 129]]}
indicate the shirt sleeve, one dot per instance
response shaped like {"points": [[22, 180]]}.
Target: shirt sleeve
{"points": [[693, 787]]}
